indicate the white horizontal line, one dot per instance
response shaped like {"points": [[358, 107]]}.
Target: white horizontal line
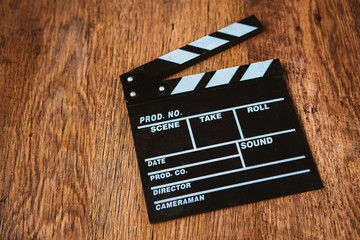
{"points": [[233, 186], [221, 144], [230, 172], [194, 164], [213, 112]]}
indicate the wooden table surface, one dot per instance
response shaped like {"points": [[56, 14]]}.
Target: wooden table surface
{"points": [[68, 168]]}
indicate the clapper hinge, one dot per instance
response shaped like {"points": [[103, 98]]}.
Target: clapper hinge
{"points": [[138, 87]]}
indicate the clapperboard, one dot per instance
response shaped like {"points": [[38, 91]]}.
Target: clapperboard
{"points": [[215, 139]]}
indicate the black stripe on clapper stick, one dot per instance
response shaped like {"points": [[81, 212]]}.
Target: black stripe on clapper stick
{"points": [[143, 83]]}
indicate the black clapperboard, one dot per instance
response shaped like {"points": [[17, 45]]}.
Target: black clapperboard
{"points": [[216, 139]]}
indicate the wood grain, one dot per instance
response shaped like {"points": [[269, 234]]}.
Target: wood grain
{"points": [[68, 168]]}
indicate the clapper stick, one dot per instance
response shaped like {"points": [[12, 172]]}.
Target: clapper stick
{"points": [[145, 82], [215, 139]]}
